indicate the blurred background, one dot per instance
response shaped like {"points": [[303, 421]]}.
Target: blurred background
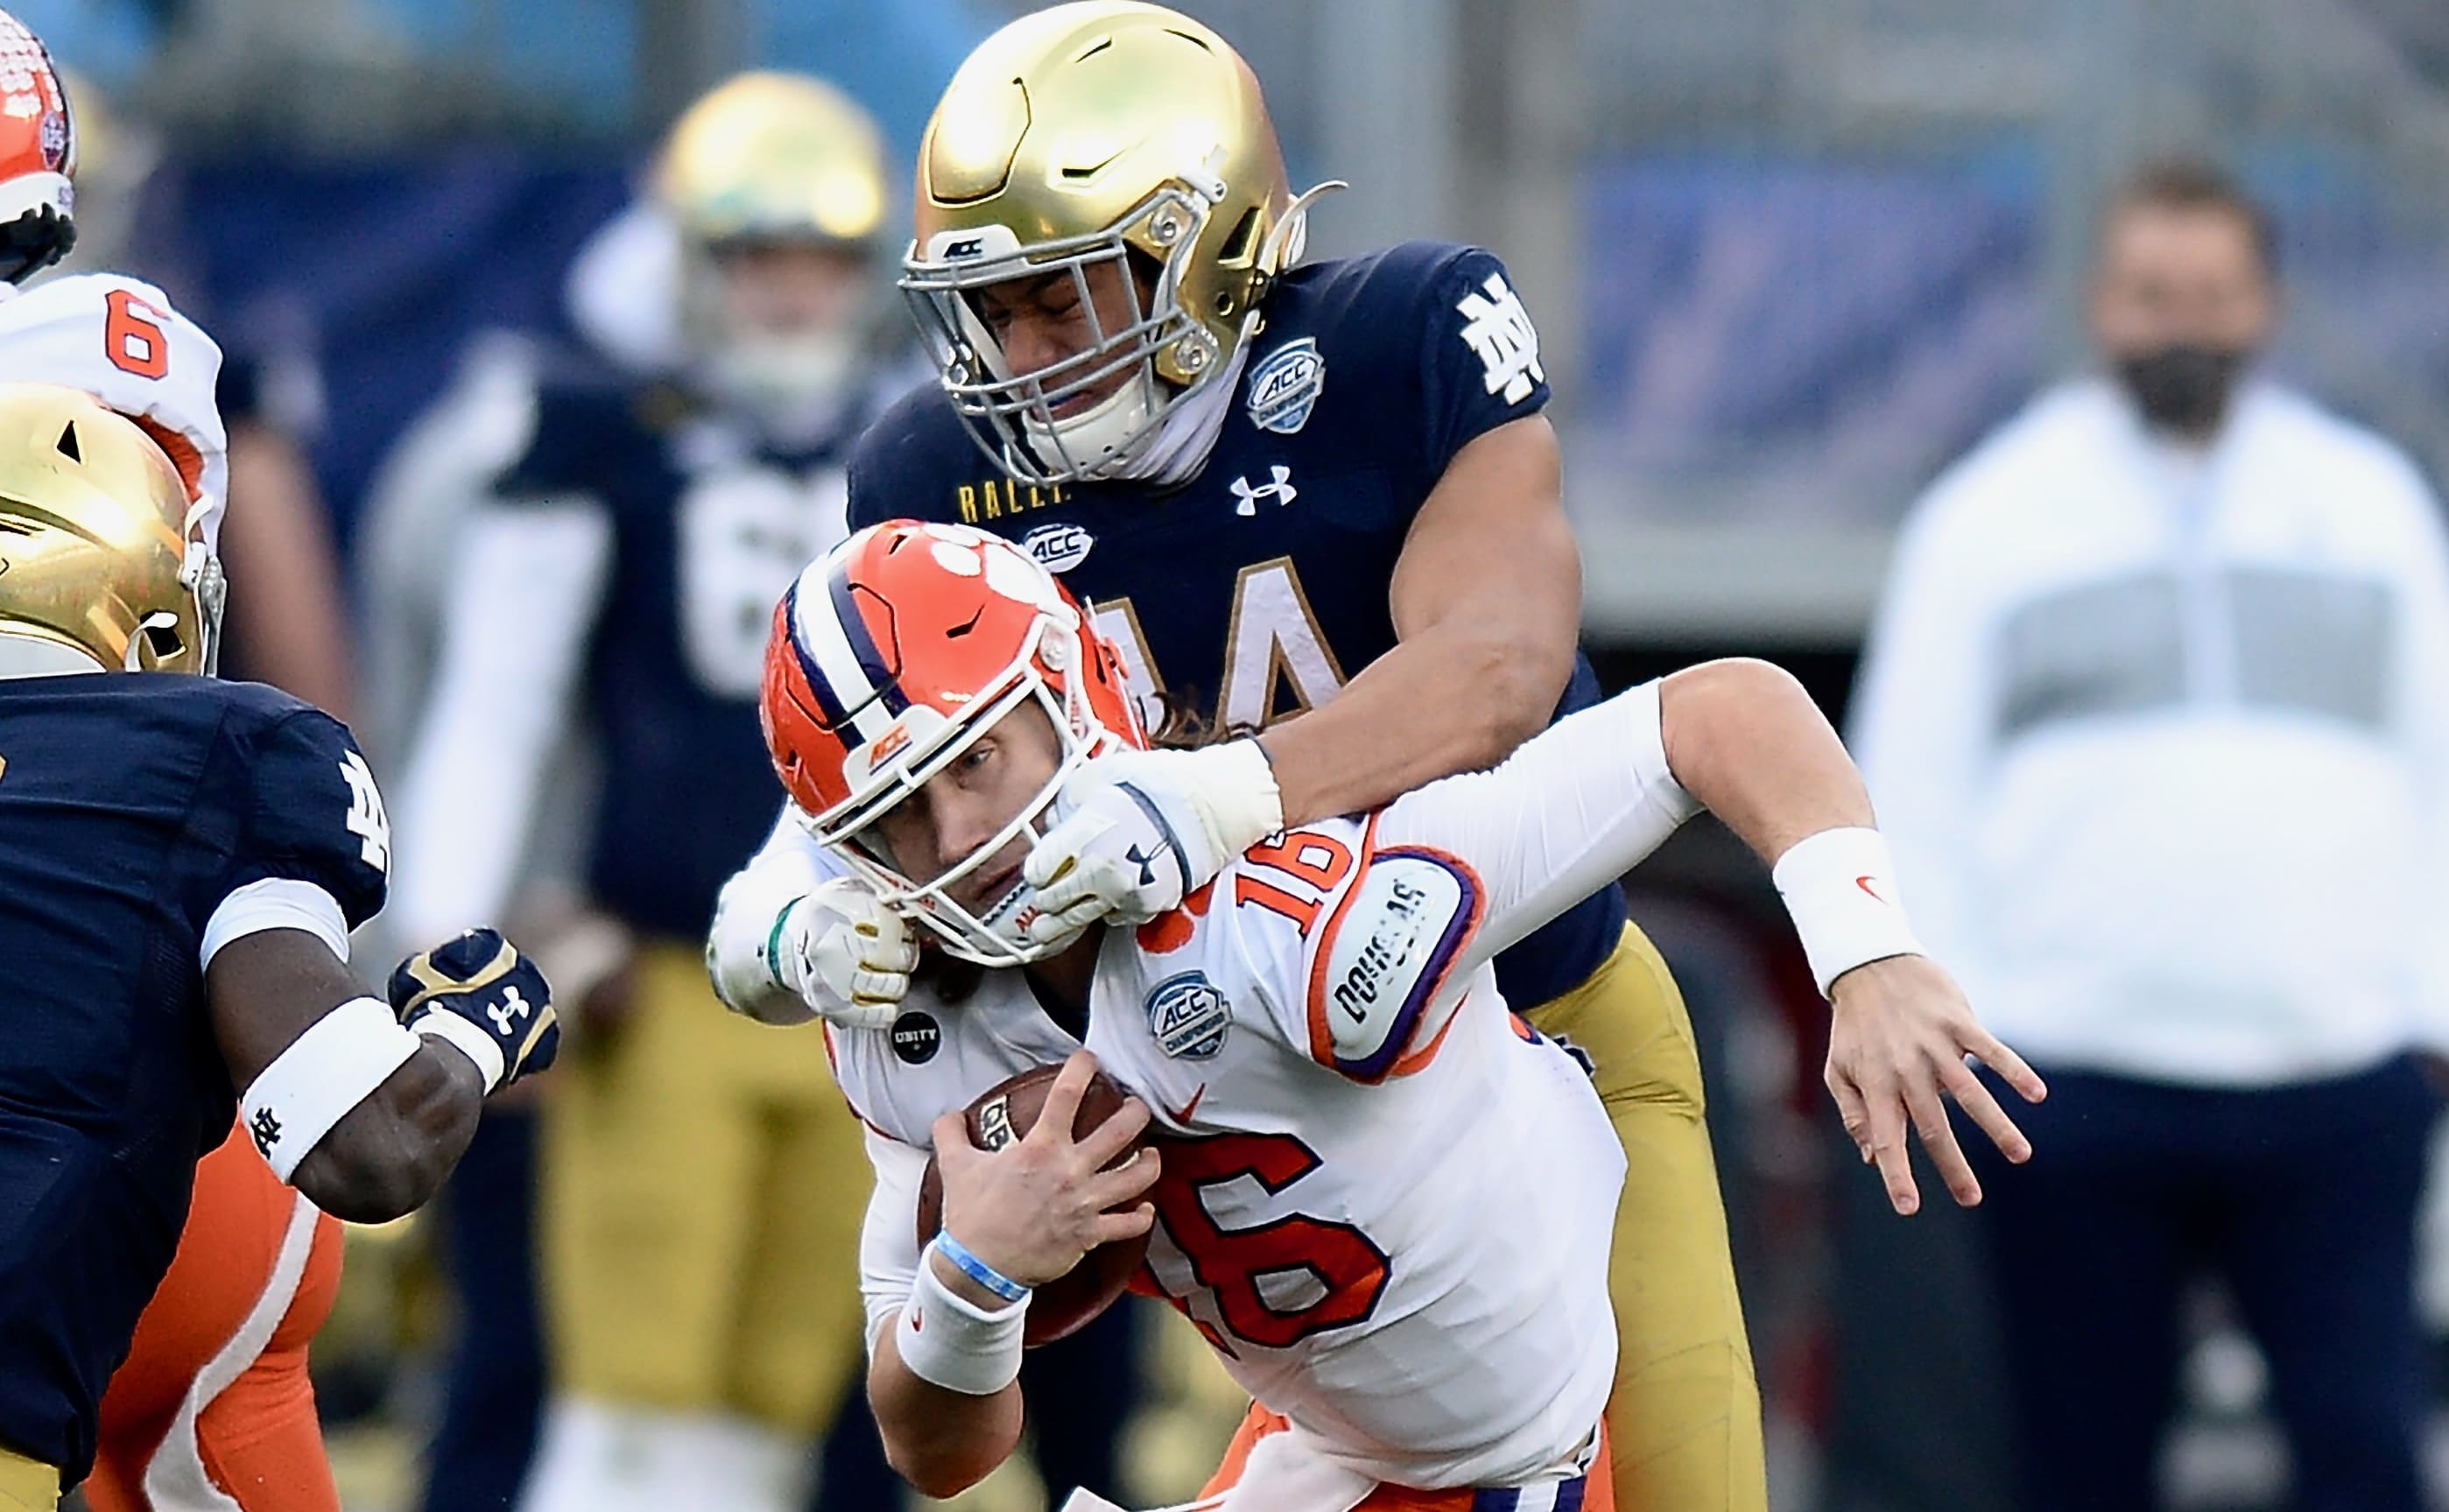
{"points": [[1788, 258]]}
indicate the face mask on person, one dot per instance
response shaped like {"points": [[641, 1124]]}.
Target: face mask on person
{"points": [[2183, 387]]}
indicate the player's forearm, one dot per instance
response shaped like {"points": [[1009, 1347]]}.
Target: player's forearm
{"points": [[389, 1155], [941, 1442], [1746, 741], [1458, 698]]}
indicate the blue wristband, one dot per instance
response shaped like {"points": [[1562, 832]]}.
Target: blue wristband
{"points": [[977, 1270]]}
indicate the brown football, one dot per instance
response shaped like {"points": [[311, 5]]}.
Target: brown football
{"points": [[1008, 1111]]}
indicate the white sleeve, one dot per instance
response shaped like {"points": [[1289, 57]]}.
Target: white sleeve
{"points": [[1453, 873], [275, 903], [2422, 694], [437, 475], [119, 340], [1571, 810], [888, 1240], [788, 867], [522, 607], [1918, 727]]}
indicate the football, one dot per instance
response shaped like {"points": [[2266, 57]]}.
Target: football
{"points": [[1008, 1111]]}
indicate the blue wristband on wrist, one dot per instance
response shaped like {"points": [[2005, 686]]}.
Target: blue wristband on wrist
{"points": [[977, 1270]]}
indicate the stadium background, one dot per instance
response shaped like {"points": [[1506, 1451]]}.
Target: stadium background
{"points": [[1788, 258]]}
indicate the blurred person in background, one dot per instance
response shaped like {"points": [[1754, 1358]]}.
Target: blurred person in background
{"points": [[2156, 716], [625, 563]]}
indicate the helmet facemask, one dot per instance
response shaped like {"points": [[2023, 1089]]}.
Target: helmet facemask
{"points": [[1160, 353], [996, 933]]}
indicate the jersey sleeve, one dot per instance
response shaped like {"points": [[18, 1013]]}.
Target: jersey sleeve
{"points": [[1360, 948], [1366, 936], [315, 815], [1478, 360], [888, 1239], [1571, 810], [120, 340]]}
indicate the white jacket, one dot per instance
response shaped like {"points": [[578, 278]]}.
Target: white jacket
{"points": [[2161, 740]]}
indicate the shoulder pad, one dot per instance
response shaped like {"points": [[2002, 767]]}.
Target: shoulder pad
{"points": [[1383, 955]]}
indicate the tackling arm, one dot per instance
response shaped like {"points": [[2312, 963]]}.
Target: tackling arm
{"points": [[363, 1106], [1487, 597], [387, 1154]]}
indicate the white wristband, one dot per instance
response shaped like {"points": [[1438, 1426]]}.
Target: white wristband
{"points": [[467, 1039], [1839, 888], [331, 1069], [953, 1343]]}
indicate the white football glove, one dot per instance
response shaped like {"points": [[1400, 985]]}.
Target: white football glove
{"points": [[844, 955], [1137, 832]]}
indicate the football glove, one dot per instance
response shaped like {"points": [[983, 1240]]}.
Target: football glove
{"points": [[844, 955], [1137, 832], [492, 1004]]}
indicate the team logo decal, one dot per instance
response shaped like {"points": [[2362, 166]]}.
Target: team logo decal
{"points": [[1284, 388], [916, 1037], [1059, 547], [1279, 487], [1188, 1017]]}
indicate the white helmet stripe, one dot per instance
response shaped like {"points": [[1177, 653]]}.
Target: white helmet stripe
{"points": [[820, 632]]}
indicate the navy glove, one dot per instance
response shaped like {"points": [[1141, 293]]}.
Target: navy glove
{"points": [[477, 992]]}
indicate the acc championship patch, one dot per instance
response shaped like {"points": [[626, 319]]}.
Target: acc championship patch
{"points": [[1386, 953], [1188, 1017], [1058, 549], [1284, 388]]}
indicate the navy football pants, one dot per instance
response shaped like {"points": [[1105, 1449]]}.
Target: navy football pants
{"points": [[2301, 1198]]}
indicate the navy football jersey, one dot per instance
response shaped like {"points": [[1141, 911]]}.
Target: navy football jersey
{"points": [[1255, 589], [709, 528], [130, 806]]}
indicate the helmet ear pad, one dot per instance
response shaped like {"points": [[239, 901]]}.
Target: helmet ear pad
{"points": [[33, 242]]}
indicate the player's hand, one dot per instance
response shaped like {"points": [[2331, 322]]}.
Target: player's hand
{"points": [[1137, 832], [1897, 1045], [845, 955], [1034, 1208], [480, 980]]}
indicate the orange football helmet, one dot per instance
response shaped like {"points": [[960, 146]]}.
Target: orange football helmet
{"points": [[37, 156], [890, 656]]}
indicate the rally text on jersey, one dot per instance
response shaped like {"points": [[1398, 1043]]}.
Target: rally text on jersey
{"points": [[1001, 498]]}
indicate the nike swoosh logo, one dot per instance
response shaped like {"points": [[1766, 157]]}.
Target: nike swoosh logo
{"points": [[1192, 1106], [1864, 883]]}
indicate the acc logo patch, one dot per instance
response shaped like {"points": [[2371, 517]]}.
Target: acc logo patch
{"points": [[1057, 547], [1188, 1017], [916, 1037], [1284, 388]]}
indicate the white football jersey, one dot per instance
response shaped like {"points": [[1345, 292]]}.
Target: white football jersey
{"points": [[118, 339], [1392, 1212]]}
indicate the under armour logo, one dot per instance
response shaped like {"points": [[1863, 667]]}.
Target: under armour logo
{"points": [[1146, 863], [509, 1010], [1500, 333], [265, 1129], [1281, 491]]}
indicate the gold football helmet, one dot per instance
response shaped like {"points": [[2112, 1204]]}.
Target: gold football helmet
{"points": [[1101, 132], [93, 543], [768, 159]]}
